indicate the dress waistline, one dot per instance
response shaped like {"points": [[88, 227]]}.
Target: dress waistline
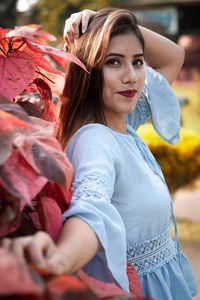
{"points": [[150, 255]]}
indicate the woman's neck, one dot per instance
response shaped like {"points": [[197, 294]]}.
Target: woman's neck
{"points": [[116, 123]]}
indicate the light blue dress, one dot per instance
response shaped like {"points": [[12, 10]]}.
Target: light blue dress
{"points": [[120, 191]]}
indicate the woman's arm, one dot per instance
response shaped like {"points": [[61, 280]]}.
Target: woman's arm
{"points": [[160, 53], [75, 247], [78, 243]]}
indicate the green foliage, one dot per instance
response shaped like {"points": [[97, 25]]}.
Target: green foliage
{"points": [[180, 163], [52, 14]]}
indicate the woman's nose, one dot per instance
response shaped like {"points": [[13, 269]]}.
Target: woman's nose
{"points": [[129, 75]]}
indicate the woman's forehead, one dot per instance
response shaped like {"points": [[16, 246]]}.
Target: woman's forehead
{"points": [[124, 42]]}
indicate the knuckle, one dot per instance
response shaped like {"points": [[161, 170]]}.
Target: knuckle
{"points": [[73, 23], [73, 16], [15, 243], [40, 233], [4, 242]]}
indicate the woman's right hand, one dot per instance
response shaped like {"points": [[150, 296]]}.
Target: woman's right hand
{"points": [[71, 29]]}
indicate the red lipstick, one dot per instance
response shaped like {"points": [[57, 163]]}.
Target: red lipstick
{"points": [[128, 93]]}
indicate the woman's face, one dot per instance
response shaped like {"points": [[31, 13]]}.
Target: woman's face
{"points": [[123, 75]]}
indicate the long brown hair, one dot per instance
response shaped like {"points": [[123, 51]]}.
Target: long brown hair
{"points": [[81, 102]]}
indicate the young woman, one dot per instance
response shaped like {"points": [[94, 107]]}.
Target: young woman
{"points": [[121, 208]]}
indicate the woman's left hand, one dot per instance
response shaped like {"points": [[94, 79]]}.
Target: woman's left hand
{"points": [[38, 249]]}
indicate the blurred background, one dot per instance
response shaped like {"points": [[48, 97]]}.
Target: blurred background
{"points": [[178, 20]]}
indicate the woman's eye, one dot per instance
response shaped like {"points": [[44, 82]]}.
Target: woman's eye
{"points": [[138, 62], [113, 62]]}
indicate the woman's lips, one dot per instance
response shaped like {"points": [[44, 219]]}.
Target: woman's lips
{"points": [[128, 93]]}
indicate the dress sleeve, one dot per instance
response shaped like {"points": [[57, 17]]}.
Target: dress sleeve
{"points": [[159, 102], [90, 152]]}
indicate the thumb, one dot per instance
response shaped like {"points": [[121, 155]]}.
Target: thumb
{"points": [[57, 262]]}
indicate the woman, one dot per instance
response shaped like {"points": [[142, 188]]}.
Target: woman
{"points": [[120, 209]]}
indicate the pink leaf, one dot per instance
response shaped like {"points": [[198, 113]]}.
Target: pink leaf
{"points": [[4, 99], [5, 125], [24, 31], [45, 36], [15, 277], [43, 152], [16, 72], [16, 111], [100, 288], [50, 50]]}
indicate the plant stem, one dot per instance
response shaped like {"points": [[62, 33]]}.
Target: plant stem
{"points": [[15, 50], [3, 46], [45, 76], [9, 47], [3, 51]]}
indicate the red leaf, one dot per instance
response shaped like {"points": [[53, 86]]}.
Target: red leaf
{"points": [[68, 287], [42, 62], [3, 33], [55, 81], [43, 88], [100, 288], [15, 277], [16, 72], [50, 50], [45, 92], [134, 281], [59, 194], [59, 60], [13, 120], [52, 217], [20, 179]]}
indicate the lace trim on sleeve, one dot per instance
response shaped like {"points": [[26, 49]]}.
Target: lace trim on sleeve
{"points": [[143, 107], [95, 185]]}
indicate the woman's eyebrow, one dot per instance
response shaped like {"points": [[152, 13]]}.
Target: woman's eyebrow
{"points": [[121, 55], [139, 54]]}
